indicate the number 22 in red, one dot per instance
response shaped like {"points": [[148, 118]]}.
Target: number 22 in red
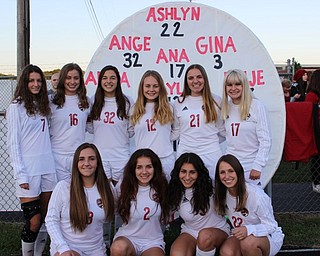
{"points": [[235, 129]]}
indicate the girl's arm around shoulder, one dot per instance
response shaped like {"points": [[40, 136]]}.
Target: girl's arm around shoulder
{"points": [[175, 131], [130, 112]]}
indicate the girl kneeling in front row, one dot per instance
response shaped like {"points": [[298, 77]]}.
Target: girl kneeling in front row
{"points": [[255, 231]]}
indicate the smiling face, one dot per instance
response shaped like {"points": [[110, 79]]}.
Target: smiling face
{"points": [[144, 170], [188, 175], [151, 88], [109, 83], [195, 82], [228, 176], [87, 164], [234, 91], [34, 83], [72, 82]]}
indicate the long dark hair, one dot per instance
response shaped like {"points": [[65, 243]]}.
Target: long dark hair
{"points": [[202, 188], [123, 103], [129, 186], [314, 84], [78, 200], [34, 103], [60, 98], [221, 190]]}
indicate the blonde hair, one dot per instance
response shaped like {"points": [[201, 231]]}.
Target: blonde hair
{"points": [[162, 110], [236, 76]]}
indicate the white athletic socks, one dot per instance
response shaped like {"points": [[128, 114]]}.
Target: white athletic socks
{"points": [[202, 253], [41, 240], [27, 248]]}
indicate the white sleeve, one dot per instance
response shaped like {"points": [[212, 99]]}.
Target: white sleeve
{"points": [[13, 142], [175, 128], [53, 218], [130, 111], [264, 138], [268, 224]]}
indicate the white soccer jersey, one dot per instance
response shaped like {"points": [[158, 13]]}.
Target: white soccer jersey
{"points": [[195, 134], [249, 140], [257, 216], [153, 135], [194, 223], [67, 126], [144, 222], [111, 134], [63, 236], [28, 143]]}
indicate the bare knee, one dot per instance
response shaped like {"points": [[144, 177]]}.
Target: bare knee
{"points": [[248, 245], [230, 247], [205, 240], [35, 222], [121, 246]]}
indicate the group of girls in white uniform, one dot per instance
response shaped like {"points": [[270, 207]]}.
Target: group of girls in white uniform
{"points": [[198, 119]]}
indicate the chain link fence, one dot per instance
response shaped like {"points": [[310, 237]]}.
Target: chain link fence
{"points": [[290, 189]]}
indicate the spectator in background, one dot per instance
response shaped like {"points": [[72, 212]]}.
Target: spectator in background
{"points": [[54, 83], [31, 157], [313, 95], [299, 86], [286, 87]]}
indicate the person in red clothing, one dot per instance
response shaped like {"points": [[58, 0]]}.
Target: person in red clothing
{"points": [[313, 95], [289, 96], [299, 86]]}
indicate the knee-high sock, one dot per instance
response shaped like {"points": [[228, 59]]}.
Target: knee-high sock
{"points": [[41, 240], [202, 253], [27, 248]]}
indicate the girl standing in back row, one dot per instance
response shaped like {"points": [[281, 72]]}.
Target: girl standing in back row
{"points": [[111, 126], [197, 118], [68, 119], [247, 125], [31, 156], [152, 119]]}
